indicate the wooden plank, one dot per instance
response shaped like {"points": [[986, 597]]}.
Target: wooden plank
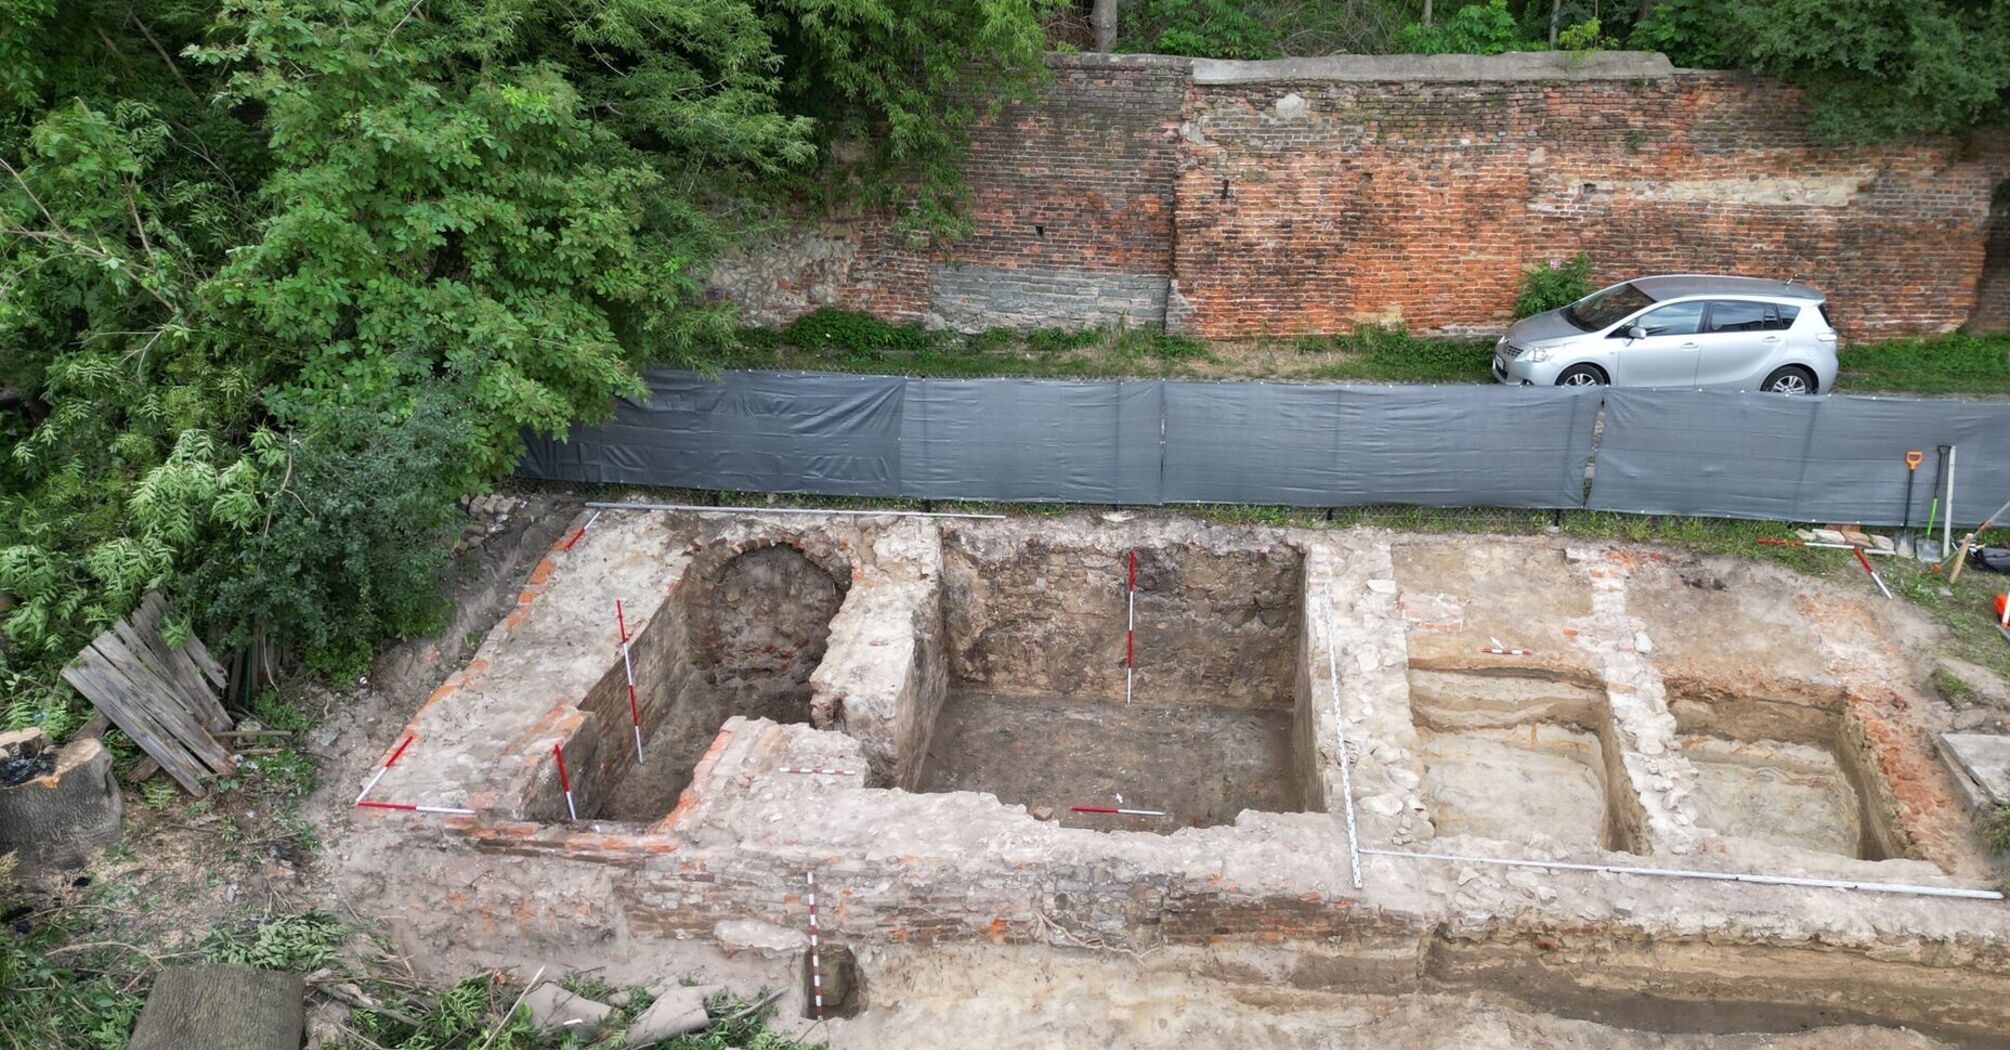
{"points": [[199, 653], [154, 608], [147, 767], [93, 727], [178, 722], [146, 622], [128, 646], [176, 669], [148, 726], [146, 731]]}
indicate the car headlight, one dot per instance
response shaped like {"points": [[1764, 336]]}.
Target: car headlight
{"points": [[1536, 356]]}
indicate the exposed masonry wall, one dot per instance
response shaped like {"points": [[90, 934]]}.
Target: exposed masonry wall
{"points": [[1217, 623], [1279, 198], [959, 866]]}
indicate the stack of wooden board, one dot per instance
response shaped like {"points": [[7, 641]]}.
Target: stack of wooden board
{"points": [[164, 698]]}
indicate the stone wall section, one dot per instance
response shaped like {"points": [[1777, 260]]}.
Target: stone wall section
{"points": [[1242, 199]]}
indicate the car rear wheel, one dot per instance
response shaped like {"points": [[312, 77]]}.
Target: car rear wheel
{"points": [[1791, 379], [1582, 375]]}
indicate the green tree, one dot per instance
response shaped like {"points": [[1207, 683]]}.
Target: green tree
{"points": [[1873, 69], [281, 279], [1475, 29]]}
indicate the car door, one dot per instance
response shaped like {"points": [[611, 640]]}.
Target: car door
{"points": [[1738, 342], [1666, 354]]}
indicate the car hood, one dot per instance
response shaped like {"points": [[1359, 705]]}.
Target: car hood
{"points": [[1546, 327]]}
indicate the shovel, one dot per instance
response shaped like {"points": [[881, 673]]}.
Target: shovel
{"points": [[1904, 544]]}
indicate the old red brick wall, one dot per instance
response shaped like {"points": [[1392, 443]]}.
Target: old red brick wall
{"points": [[1247, 199], [1309, 207]]}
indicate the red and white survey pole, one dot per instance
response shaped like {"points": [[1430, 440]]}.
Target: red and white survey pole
{"points": [[628, 666], [582, 530], [1118, 810], [1130, 624], [452, 811], [816, 949], [381, 770], [564, 782]]}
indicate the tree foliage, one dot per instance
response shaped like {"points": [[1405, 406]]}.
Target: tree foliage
{"points": [[1474, 29], [281, 279]]}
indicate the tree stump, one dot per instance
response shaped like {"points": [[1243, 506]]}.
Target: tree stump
{"points": [[219, 1006], [56, 807]]}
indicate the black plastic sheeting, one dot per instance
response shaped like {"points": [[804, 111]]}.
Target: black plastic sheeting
{"points": [[1821, 459], [1825, 459]]}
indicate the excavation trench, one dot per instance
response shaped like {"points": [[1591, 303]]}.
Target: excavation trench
{"points": [[1524, 758], [741, 636], [1791, 771], [1036, 709]]}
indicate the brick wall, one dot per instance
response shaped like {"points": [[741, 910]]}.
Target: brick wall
{"points": [[1277, 198]]}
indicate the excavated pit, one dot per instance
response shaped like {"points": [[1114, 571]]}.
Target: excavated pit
{"points": [[1789, 772], [1523, 758], [753, 629], [1035, 710]]}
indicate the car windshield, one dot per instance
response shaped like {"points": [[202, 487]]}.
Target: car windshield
{"points": [[1602, 309]]}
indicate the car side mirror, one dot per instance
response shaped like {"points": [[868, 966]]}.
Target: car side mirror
{"points": [[1635, 332]]}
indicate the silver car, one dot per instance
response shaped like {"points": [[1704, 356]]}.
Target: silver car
{"points": [[1682, 330]]}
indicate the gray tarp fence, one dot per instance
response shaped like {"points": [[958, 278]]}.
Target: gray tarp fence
{"points": [[1336, 446], [1833, 458], [1149, 442]]}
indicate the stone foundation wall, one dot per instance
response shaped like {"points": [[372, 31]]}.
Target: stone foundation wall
{"points": [[1235, 199]]}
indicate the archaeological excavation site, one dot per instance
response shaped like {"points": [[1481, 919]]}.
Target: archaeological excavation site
{"points": [[1574, 777]]}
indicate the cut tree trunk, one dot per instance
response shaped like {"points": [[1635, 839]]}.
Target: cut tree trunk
{"points": [[1103, 15], [1555, 14], [1427, 14], [219, 1006], [54, 821]]}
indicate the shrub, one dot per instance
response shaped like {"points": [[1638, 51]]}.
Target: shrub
{"points": [[1587, 35], [1061, 340], [1199, 28], [356, 523], [1690, 32], [858, 333], [1553, 284], [1476, 29]]}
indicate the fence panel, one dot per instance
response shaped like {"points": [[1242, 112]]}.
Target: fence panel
{"points": [[1817, 459], [835, 435], [1031, 440], [1332, 446]]}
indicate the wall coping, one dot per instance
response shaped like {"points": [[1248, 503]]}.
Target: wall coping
{"points": [[1515, 66]]}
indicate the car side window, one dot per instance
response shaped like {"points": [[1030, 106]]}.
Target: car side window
{"points": [[1673, 319], [1737, 315], [1782, 317]]}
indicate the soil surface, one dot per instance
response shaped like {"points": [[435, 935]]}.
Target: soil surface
{"points": [[1206, 763]]}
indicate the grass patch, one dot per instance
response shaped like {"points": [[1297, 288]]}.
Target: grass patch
{"points": [[65, 989], [1953, 688], [1943, 364], [836, 340], [1996, 828]]}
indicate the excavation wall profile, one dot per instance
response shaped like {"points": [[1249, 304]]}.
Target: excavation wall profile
{"points": [[912, 708]]}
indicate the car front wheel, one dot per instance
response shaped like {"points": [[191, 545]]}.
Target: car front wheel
{"points": [[1581, 375], [1792, 379]]}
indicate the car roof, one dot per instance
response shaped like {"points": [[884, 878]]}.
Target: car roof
{"points": [[1681, 285]]}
